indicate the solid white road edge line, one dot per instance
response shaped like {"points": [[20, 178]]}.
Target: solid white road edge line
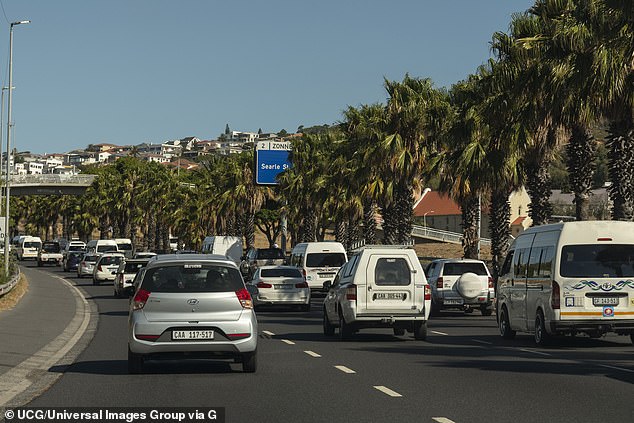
{"points": [[345, 369], [535, 352], [388, 391], [16, 380], [286, 341], [312, 353], [617, 368], [442, 420], [439, 333]]}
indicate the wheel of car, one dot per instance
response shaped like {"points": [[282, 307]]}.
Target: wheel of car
{"points": [[329, 329], [399, 331], [486, 310], [250, 362], [542, 338], [470, 285], [505, 325], [345, 331], [420, 331], [135, 362]]}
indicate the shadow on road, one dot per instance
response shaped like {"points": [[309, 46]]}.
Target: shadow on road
{"points": [[120, 367]]}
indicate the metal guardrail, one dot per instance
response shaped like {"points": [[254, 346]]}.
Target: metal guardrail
{"points": [[444, 236], [4, 289], [52, 179]]}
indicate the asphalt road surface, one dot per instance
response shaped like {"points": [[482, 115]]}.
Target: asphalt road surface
{"points": [[464, 372]]}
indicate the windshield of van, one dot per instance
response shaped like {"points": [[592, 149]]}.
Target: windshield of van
{"points": [[106, 248], [192, 278], [597, 261], [325, 259], [31, 244]]}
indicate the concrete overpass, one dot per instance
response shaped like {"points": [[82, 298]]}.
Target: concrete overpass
{"points": [[49, 184]]}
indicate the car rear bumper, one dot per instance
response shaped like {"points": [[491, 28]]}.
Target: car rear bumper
{"points": [[621, 326]]}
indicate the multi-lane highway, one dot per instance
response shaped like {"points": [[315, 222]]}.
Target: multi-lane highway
{"points": [[464, 372]]}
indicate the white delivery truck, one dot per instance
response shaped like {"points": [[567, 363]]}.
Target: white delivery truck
{"points": [[568, 278], [229, 246]]}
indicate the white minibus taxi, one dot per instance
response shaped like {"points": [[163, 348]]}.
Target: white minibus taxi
{"points": [[569, 278], [99, 246], [319, 261], [28, 247]]}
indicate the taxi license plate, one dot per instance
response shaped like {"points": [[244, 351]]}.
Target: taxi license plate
{"points": [[601, 301], [192, 334], [389, 296]]}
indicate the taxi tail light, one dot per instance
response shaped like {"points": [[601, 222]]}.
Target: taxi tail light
{"points": [[427, 292], [490, 282], [99, 268], [302, 285], [555, 300], [140, 299], [439, 282], [351, 293], [263, 284], [245, 298]]}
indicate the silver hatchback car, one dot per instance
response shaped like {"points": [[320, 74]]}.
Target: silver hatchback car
{"points": [[192, 306]]}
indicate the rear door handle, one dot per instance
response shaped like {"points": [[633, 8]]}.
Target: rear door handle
{"points": [[369, 288]]}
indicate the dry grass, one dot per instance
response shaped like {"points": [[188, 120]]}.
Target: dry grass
{"points": [[8, 301]]}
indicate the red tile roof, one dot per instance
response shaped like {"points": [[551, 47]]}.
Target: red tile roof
{"points": [[519, 220], [436, 204]]}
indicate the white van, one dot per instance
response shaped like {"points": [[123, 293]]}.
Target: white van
{"points": [[98, 246], [382, 286], [568, 278], [124, 245], [28, 247], [319, 261], [229, 246]]}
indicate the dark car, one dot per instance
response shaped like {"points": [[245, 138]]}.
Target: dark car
{"points": [[257, 257], [71, 261]]}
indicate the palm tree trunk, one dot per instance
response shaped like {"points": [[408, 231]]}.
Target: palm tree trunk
{"points": [[581, 152], [369, 222], [405, 216], [390, 234], [499, 227], [620, 144], [249, 229], [539, 189], [341, 232], [470, 208]]}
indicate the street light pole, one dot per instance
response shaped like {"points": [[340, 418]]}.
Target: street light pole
{"points": [[425, 219], [7, 198]]}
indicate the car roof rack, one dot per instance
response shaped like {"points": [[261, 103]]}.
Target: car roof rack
{"points": [[361, 245]]}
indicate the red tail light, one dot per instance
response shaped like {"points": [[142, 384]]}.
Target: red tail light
{"points": [[304, 273], [140, 299], [301, 285], [264, 285], [427, 292], [147, 337], [99, 268], [235, 336], [555, 301], [351, 293], [439, 282], [245, 298], [490, 282]]}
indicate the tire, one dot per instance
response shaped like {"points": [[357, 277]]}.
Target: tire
{"points": [[486, 310], [420, 331], [250, 362], [135, 362], [542, 337], [505, 325], [399, 331], [345, 331], [329, 329]]}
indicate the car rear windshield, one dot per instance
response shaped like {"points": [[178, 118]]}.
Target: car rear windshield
{"points": [[392, 271], [325, 259], [597, 261], [122, 247], [106, 248], [90, 258], [76, 248], [108, 260], [31, 245], [52, 247], [192, 278], [270, 253], [132, 267], [457, 269], [281, 273]]}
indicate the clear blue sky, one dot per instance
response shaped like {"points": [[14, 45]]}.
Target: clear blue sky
{"points": [[133, 71]]}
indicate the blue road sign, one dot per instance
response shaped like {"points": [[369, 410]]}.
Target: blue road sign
{"points": [[271, 158]]}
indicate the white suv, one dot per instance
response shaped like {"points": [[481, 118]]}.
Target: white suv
{"points": [[460, 283], [380, 287]]}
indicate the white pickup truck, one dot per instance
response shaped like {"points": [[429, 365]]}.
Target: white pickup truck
{"points": [[50, 253]]}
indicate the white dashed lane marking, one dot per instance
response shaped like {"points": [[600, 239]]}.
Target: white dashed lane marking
{"points": [[286, 341], [442, 420], [266, 332], [345, 369], [617, 368], [312, 353], [388, 391], [535, 352], [479, 342], [439, 333]]}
